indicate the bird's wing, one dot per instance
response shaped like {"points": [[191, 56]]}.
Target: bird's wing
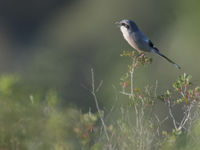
{"points": [[152, 45], [142, 41], [146, 45]]}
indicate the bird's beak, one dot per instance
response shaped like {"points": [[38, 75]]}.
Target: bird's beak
{"points": [[118, 24]]}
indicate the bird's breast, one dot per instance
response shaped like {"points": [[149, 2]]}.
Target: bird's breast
{"points": [[129, 37]]}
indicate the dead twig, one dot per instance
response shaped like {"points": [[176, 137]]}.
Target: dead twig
{"points": [[93, 92]]}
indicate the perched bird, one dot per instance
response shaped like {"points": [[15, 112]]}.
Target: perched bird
{"points": [[138, 40]]}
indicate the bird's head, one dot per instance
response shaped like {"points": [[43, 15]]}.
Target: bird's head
{"points": [[127, 26]]}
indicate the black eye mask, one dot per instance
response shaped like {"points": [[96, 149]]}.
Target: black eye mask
{"points": [[125, 25]]}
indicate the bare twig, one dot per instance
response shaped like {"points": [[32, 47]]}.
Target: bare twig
{"points": [[99, 86], [160, 123], [136, 114], [156, 86], [171, 115], [131, 76], [186, 118], [93, 92], [125, 93]]}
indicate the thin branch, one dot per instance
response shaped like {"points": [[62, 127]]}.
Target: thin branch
{"points": [[131, 76], [136, 114], [183, 122], [156, 86], [125, 93], [171, 115], [99, 86], [97, 106], [131, 73], [160, 123]]}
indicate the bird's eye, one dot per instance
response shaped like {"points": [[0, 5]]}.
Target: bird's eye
{"points": [[127, 26]]}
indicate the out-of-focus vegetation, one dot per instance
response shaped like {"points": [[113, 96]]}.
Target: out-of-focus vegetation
{"points": [[47, 49], [34, 120], [30, 120]]}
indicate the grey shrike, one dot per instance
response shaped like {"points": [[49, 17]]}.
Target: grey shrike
{"points": [[138, 40]]}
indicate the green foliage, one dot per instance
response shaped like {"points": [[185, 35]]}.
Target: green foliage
{"points": [[32, 120], [139, 59], [182, 81], [7, 82], [85, 128], [144, 127], [183, 90]]}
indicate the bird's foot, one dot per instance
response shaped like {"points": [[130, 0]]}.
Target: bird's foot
{"points": [[140, 55]]}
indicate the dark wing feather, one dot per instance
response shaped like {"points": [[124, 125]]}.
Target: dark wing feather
{"points": [[152, 45]]}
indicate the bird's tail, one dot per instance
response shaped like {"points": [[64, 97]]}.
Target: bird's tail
{"points": [[155, 50]]}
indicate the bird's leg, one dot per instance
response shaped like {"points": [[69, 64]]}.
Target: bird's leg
{"points": [[141, 54]]}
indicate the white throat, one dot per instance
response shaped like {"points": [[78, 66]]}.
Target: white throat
{"points": [[125, 33], [128, 36]]}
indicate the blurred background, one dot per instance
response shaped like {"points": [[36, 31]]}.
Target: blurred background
{"points": [[56, 43], [53, 44]]}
